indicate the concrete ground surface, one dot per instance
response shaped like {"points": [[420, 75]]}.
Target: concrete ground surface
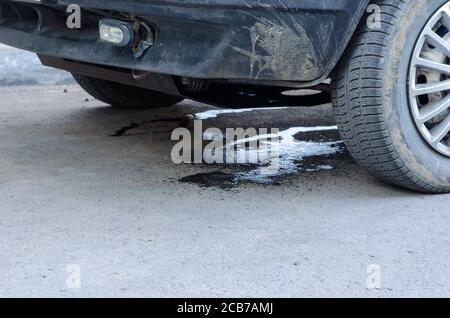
{"points": [[84, 213]]}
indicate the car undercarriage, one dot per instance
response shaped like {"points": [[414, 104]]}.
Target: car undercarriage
{"points": [[230, 53], [383, 64]]}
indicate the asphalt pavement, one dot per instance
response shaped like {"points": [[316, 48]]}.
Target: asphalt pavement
{"points": [[91, 204]]}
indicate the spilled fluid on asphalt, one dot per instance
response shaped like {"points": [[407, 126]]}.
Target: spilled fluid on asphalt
{"points": [[299, 150], [214, 113]]}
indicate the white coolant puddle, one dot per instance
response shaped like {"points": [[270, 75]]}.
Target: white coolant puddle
{"points": [[292, 151], [288, 156], [19, 67], [214, 113]]}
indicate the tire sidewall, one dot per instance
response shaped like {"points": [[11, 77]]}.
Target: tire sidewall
{"points": [[419, 157]]}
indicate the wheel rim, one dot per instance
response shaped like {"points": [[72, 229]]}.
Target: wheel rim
{"points": [[429, 84]]}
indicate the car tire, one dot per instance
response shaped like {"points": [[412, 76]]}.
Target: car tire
{"points": [[372, 103], [124, 96]]}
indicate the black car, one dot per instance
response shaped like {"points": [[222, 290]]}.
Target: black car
{"points": [[388, 61]]}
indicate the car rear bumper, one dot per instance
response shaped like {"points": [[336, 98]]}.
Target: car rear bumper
{"points": [[286, 40]]}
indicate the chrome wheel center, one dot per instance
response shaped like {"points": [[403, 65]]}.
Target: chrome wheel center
{"points": [[429, 81]]}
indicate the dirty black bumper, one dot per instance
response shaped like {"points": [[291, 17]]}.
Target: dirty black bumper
{"points": [[268, 40]]}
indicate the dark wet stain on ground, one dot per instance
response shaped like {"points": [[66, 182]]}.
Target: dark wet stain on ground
{"points": [[337, 160], [227, 178], [232, 176], [216, 179], [318, 136], [122, 131], [150, 126]]}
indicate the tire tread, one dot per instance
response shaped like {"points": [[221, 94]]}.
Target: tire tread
{"points": [[357, 98]]}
